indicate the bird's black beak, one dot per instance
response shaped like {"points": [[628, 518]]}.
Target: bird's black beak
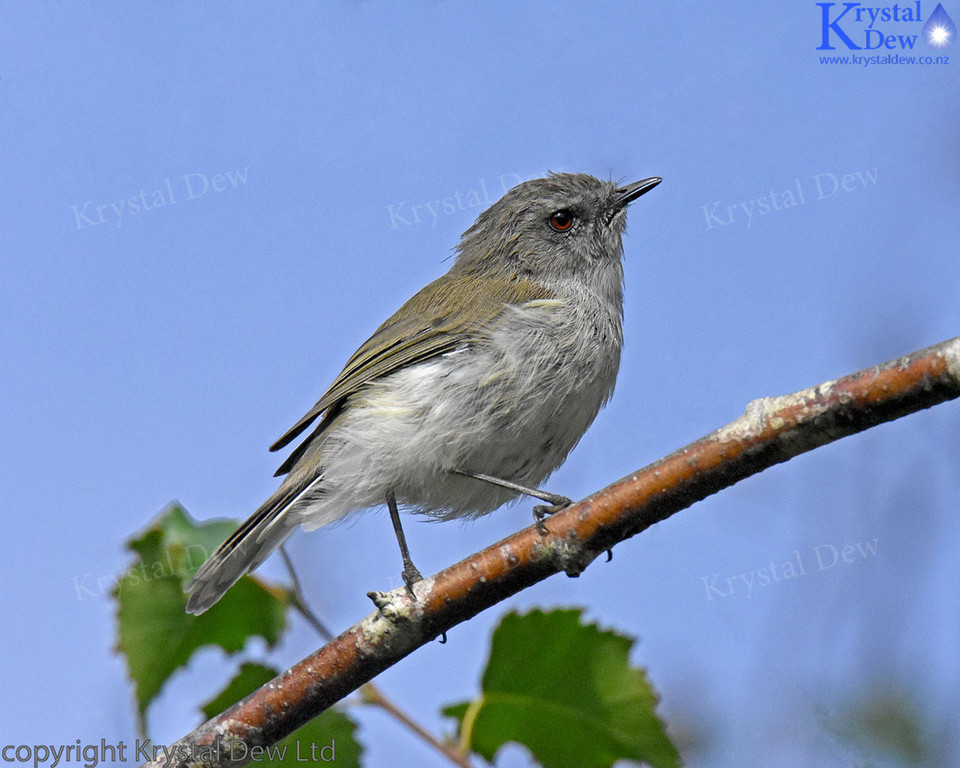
{"points": [[629, 193]]}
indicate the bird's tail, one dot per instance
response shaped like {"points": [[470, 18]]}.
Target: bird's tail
{"points": [[252, 543]]}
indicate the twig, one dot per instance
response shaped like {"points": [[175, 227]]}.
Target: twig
{"points": [[300, 602], [374, 695]]}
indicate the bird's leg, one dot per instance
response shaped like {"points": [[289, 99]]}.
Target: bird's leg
{"points": [[410, 573], [558, 501], [540, 511]]}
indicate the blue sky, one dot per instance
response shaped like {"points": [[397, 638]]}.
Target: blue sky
{"points": [[268, 158]]}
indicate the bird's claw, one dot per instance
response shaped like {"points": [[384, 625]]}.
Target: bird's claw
{"points": [[410, 577], [542, 511]]}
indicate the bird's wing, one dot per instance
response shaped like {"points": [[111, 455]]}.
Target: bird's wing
{"points": [[438, 319]]}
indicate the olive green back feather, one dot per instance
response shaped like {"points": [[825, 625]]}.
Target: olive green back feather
{"points": [[438, 319]]}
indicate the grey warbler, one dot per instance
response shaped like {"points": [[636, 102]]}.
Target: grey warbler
{"points": [[474, 391]]}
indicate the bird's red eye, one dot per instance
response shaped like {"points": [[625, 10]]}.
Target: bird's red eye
{"points": [[561, 220]]}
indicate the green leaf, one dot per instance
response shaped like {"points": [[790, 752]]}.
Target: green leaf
{"points": [[155, 634], [329, 738], [249, 677], [567, 692]]}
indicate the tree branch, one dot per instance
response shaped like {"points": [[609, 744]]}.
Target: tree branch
{"points": [[771, 430]]}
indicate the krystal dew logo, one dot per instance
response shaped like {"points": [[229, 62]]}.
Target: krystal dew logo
{"points": [[859, 27]]}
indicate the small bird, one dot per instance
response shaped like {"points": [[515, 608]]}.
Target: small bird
{"points": [[474, 391]]}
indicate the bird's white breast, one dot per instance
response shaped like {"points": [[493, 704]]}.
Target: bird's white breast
{"points": [[512, 405]]}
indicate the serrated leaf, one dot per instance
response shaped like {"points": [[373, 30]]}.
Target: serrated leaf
{"points": [[567, 692], [155, 634], [329, 738]]}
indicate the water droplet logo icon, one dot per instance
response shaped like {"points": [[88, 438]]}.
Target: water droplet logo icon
{"points": [[939, 31]]}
